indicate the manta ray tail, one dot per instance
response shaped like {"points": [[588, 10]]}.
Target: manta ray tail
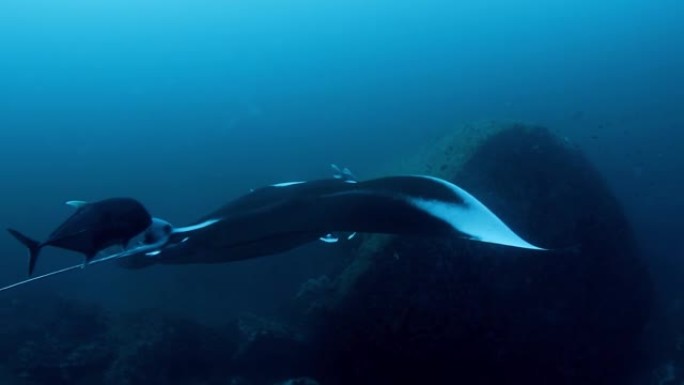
{"points": [[32, 246]]}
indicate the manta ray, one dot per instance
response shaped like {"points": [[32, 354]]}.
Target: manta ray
{"points": [[283, 216], [280, 217]]}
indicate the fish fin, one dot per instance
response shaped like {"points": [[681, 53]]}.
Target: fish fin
{"points": [[32, 246], [76, 204]]}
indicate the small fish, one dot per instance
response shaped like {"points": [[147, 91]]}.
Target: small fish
{"points": [[92, 228]]}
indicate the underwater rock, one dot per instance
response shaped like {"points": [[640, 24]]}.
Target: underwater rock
{"points": [[154, 349], [268, 351], [55, 341], [63, 341], [430, 310]]}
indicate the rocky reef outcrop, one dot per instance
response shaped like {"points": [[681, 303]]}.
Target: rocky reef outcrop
{"points": [[57, 341]]}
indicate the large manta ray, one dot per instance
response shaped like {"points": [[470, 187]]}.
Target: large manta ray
{"points": [[283, 216]]}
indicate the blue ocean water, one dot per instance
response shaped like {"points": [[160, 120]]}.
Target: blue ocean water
{"points": [[185, 105]]}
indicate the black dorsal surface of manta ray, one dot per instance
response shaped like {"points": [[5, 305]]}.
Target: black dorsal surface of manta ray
{"points": [[283, 216], [94, 227]]}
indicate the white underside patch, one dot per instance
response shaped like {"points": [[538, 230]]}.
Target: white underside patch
{"points": [[471, 218]]}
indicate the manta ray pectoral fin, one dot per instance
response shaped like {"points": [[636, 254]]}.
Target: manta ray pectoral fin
{"points": [[476, 223], [76, 204], [470, 217]]}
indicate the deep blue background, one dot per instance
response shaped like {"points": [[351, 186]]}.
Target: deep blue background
{"points": [[186, 104]]}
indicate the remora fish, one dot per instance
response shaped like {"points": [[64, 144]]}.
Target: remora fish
{"points": [[92, 228], [283, 216]]}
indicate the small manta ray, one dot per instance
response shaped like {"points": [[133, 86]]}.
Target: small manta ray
{"points": [[92, 228]]}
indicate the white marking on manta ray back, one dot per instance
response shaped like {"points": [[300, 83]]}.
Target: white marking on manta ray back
{"points": [[285, 184], [198, 226], [472, 218], [76, 204]]}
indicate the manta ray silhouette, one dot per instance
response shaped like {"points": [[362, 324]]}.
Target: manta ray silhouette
{"points": [[283, 216], [280, 217]]}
